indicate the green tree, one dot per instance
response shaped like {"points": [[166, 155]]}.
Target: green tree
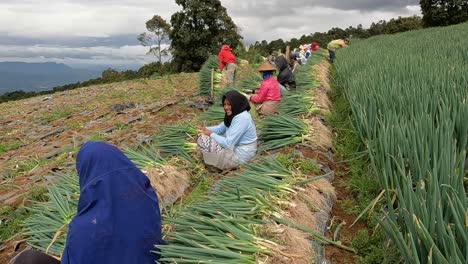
{"points": [[199, 29], [158, 32], [444, 12], [111, 75]]}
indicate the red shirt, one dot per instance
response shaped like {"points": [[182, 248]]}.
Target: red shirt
{"points": [[269, 91], [225, 57]]}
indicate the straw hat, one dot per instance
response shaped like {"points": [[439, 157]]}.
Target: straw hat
{"points": [[266, 66]]}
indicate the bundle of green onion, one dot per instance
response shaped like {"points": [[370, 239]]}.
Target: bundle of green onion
{"points": [[251, 82], [222, 228], [294, 104], [205, 75], [47, 227], [173, 141], [145, 155], [279, 131]]}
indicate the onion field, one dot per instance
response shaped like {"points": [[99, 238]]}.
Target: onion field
{"points": [[409, 98]]}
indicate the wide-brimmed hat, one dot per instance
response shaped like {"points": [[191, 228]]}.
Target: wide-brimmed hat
{"points": [[266, 66]]}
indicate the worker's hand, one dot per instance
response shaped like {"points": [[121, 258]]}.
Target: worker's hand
{"points": [[202, 130], [219, 70]]}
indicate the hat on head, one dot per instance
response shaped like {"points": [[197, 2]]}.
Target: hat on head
{"points": [[266, 66]]}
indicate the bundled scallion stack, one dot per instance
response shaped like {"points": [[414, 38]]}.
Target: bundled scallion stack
{"points": [[205, 75], [46, 229], [281, 130], [174, 141], [222, 228]]}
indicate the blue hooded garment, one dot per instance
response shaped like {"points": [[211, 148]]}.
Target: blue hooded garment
{"points": [[118, 218]]}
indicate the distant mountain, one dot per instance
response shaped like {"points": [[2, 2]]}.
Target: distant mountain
{"points": [[29, 77]]}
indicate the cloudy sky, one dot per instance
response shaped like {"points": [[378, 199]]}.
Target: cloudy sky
{"points": [[104, 32]]}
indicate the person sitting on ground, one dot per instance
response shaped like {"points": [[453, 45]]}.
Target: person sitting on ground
{"points": [[118, 218], [239, 143], [271, 58], [335, 45], [267, 98], [227, 61], [285, 75], [293, 63]]}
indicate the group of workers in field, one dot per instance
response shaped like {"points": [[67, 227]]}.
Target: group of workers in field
{"points": [[234, 141], [118, 217]]}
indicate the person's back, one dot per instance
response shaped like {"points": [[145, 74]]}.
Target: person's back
{"points": [[285, 75], [118, 218], [227, 60], [333, 46], [336, 44]]}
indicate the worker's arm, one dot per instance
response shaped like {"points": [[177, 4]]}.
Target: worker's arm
{"points": [[234, 134]]}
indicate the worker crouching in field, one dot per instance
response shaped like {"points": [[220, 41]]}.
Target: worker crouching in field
{"points": [[267, 98], [227, 60], [285, 76], [334, 45], [233, 141], [118, 218]]}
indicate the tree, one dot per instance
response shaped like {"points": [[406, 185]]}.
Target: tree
{"points": [[158, 32], [111, 75], [199, 29], [444, 12]]}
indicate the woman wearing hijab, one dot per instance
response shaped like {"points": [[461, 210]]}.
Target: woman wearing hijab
{"points": [[118, 218], [233, 141], [268, 97], [285, 76]]}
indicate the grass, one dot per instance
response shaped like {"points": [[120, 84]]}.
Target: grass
{"points": [[360, 183], [6, 146], [11, 218], [11, 221], [26, 166], [293, 162], [55, 115]]}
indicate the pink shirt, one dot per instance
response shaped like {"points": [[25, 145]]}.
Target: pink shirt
{"points": [[269, 91]]}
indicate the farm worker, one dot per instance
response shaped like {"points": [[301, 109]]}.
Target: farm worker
{"points": [[272, 58], [227, 60], [285, 75], [233, 141], [267, 98], [314, 46], [334, 45], [118, 218], [293, 63]]}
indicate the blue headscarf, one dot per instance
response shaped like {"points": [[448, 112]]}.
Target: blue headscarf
{"points": [[118, 218], [267, 74]]}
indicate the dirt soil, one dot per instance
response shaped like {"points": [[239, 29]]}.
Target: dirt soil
{"points": [[346, 233]]}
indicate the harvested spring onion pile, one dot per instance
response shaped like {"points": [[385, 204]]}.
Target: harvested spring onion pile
{"points": [[173, 141], [146, 155], [295, 104], [279, 131], [47, 227], [205, 75], [251, 82], [222, 229]]}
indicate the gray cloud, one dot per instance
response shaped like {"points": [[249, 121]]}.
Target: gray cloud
{"points": [[105, 31]]}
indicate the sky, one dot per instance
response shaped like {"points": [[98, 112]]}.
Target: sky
{"points": [[81, 33]]}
